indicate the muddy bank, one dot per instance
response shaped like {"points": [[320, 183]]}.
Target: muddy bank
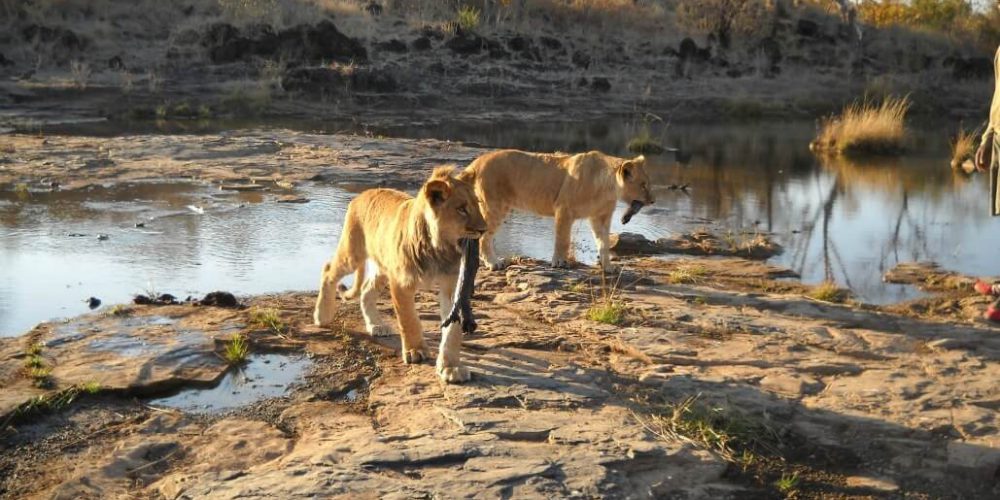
{"points": [[849, 402], [248, 160]]}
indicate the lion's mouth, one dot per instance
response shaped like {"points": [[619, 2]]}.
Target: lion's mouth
{"points": [[633, 209]]}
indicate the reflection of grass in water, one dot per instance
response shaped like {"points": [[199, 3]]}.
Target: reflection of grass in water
{"points": [[866, 128]]}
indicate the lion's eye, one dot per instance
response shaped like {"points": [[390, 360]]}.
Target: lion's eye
{"points": [[463, 211]]}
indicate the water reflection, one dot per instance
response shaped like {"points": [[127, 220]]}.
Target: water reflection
{"points": [[838, 220]]}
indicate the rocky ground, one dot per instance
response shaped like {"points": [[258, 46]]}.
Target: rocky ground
{"points": [[701, 390]]}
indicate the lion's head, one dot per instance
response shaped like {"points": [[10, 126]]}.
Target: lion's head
{"points": [[633, 181], [452, 209]]}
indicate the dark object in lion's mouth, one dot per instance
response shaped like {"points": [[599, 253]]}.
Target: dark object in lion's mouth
{"points": [[466, 285], [632, 210]]}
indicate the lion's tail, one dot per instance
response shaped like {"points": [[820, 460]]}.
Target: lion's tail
{"points": [[359, 281]]}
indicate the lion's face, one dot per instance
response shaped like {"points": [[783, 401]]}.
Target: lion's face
{"points": [[633, 181], [453, 210]]}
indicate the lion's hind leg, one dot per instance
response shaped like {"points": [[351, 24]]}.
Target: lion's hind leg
{"points": [[374, 323], [350, 254]]}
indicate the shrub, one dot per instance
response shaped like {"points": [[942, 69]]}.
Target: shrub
{"points": [[725, 18]]}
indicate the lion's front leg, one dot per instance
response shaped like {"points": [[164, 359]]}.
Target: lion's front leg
{"points": [[449, 362], [410, 330]]}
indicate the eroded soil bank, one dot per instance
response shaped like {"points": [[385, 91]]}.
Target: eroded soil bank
{"points": [[786, 396]]}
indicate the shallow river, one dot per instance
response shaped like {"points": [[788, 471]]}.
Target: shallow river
{"points": [[844, 221]]}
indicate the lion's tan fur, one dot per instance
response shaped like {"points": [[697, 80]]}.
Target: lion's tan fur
{"points": [[414, 243], [567, 187]]}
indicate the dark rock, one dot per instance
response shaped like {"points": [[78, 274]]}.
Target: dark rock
{"points": [[4, 62], [969, 68], [93, 302], [61, 38], [116, 63], [582, 82], [321, 41], [581, 59], [688, 49], [524, 47], [771, 50], [550, 43], [734, 73], [421, 44], [393, 45], [374, 8], [103, 237], [373, 80], [465, 44], [807, 28], [332, 80], [166, 298], [220, 299], [600, 84], [432, 32], [219, 34]]}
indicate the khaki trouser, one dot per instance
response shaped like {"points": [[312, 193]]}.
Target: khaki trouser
{"points": [[994, 172]]}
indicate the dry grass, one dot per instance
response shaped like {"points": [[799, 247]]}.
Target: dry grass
{"points": [[687, 275], [963, 147], [866, 128], [828, 292]]}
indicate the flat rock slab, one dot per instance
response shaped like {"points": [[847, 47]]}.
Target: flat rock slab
{"points": [[149, 350]]}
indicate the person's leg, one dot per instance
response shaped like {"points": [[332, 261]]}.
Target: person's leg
{"points": [[993, 311]]}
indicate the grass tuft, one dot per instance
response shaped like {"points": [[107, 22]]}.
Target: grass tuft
{"points": [[686, 274], [610, 313], [467, 18], [828, 292], [237, 349], [92, 387], [119, 310], [963, 147], [787, 483], [865, 128], [269, 319], [734, 436], [644, 144], [606, 306]]}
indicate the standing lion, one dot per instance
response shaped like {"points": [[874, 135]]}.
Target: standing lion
{"points": [[414, 243], [567, 187]]}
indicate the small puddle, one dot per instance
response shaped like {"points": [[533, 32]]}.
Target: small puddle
{"points": [[263, 376]]}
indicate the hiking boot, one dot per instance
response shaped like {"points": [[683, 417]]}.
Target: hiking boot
{"points": [[984, 288]]}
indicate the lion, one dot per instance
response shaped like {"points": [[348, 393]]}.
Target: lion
{"points": [[567, 187], [414, 243]]}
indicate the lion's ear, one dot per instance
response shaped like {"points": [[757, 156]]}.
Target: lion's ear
{"points": [[625, 169], [437, 192]]}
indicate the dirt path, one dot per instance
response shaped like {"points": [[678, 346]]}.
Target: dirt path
{"points": [[701, 391]]}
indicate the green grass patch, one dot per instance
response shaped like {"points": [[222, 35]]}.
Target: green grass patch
{"points": [[610, 313], [267, 318], [92, 387], [34, 361], [236, 350], [828, 292], [467, 18], [787, 483]]}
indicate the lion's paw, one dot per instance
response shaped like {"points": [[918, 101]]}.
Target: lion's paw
{"points": [[560, 263], [611, 269], [499, 265], [454, 374], [381, 331], [415, 356], [323, 316]]}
